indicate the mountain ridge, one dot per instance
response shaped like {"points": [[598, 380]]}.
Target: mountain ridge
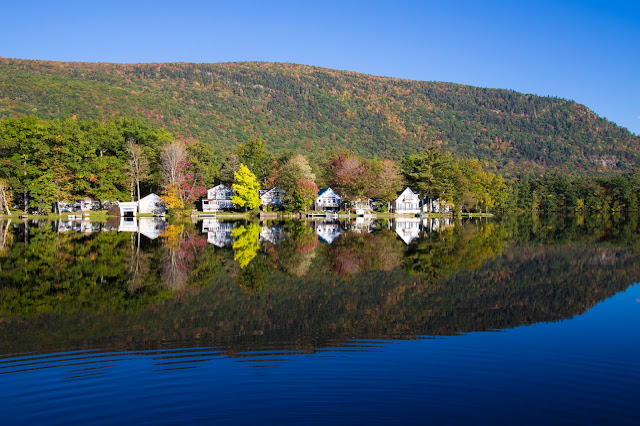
{"points": [[317, 110]]}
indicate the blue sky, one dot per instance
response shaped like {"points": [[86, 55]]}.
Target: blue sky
{"points": [[587, 51]]}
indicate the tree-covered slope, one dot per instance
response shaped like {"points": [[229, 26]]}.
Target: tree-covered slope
{"points": [[318, 110]]}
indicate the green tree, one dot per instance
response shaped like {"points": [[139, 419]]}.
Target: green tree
{"points": [[245, 189], [293, 170], [387, 181], [303, 195], [255, 156], [229, 169], [433, 172]]}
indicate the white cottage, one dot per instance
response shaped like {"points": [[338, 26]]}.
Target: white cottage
{"points": [[89, 204], [151, 204], [328, 200], [128, 208], [271, 197], [218, 198], [407, 202]]}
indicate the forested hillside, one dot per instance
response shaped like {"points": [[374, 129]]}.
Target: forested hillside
{"points": [[318, 111]]}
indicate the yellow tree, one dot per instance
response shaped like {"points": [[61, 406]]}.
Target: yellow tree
{"points": [[171, 197], [245, 189]]}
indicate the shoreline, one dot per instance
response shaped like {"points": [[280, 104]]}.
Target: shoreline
{"points": [[102, 215]]}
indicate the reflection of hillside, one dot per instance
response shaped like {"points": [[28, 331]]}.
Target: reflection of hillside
{"points": [[486, 284]]}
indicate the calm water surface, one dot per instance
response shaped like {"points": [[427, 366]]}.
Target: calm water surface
{"points": [[517, 319]]}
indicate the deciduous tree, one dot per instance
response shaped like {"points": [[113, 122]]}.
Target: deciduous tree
{"points": [[137, 165], [303, 195], [245, 189]]}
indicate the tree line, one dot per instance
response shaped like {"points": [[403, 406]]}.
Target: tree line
{"points": [[45, 162]]}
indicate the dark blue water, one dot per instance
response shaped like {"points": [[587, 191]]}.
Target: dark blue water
{"points": [[582, 370]]}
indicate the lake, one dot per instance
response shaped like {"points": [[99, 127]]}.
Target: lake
{"points": [[513, 319]]}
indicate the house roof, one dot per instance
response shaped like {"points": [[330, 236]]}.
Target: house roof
{"points": [[152, 195], [415, 193], [221, 186], [263, 192], [327, 191]]}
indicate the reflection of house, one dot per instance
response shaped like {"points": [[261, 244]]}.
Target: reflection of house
{"points": [[407, 202], [87, 227], [218, 233], [271, 197], [328, 200], [437, 224], [151, 204], [218, 198], [361, 224], [151, 227], [327, 231], [84, 226], [407, 228], [69, 225], [128, 224], [272, 234]]}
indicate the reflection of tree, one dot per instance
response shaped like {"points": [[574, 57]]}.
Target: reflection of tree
{"points": [[529, 282], [462, 247], [181, 248], [254, 276], [5, 238], [66, 272], [353, 253], [246, 243], [296, 252], [137, 265]]}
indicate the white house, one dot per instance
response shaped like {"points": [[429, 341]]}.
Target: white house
{"points": [[328, 200], [128, 208], [151, 204], [218, 198], [271, 197], [407, 202], [89, 204]]}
